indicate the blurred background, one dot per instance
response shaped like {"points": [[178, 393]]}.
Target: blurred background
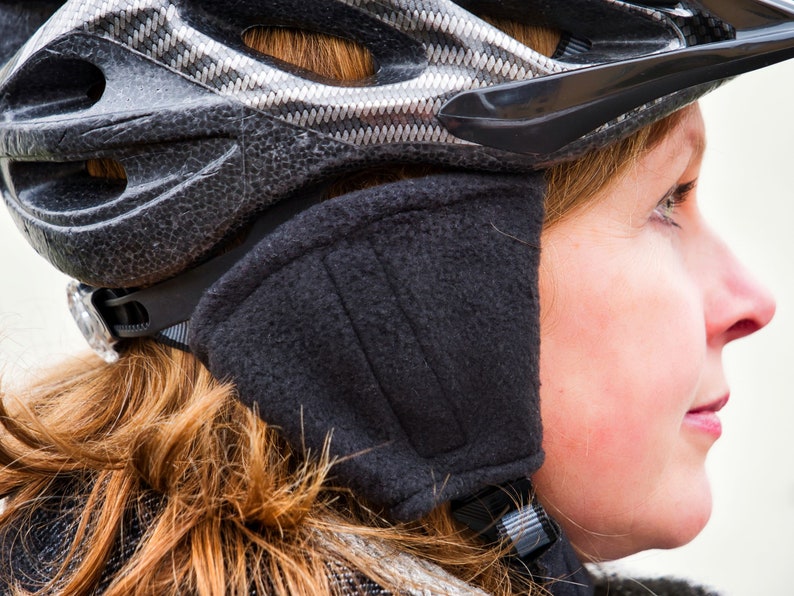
{"points": [[746, 190]]}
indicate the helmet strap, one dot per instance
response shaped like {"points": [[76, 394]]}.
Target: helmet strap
{"points": [[510, 515]]}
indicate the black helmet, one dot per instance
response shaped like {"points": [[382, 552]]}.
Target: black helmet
{"points": [[211, 134]]}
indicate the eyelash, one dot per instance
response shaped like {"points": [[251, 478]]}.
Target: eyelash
{"points": [[667, 206]]}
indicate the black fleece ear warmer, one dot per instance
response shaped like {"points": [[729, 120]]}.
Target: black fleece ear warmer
{"points": [[403, 320]]}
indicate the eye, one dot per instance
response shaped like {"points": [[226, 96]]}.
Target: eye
{"points": [[667, 207]]}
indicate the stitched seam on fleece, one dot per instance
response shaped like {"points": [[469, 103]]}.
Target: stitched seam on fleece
{"points": [[412, 327]]}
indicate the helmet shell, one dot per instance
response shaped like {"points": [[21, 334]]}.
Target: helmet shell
{"points": [[211, 133]]}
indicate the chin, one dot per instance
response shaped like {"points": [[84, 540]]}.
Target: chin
{"points": [[689, 527], [684, 520], [664, 524]]}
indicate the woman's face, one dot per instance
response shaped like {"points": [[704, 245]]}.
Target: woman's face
{"points": [[638, 298]]}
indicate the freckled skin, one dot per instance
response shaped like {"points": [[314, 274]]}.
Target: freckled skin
{"points": [[635, 312]]}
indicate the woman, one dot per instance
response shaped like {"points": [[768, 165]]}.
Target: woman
{"points": [[368, 418]]}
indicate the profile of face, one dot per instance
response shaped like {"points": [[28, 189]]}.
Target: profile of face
{"points": [[638, 298]]}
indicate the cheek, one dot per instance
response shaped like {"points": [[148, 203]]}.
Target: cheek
{"points": [[616, 325], [622, 352]]}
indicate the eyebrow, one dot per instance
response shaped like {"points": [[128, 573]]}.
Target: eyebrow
{"points": [[698, 143], [700, 148]]}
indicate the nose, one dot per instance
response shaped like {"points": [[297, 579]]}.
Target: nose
{"points": [[736, 303]]}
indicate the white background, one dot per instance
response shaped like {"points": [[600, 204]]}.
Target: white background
{"points": [[746, 190]]}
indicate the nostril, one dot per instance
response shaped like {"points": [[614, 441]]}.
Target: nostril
{"points": [[743, 328], [51, 86]]}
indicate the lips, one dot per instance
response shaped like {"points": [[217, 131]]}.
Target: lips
{"points": [[714, 406], [704, 418]]}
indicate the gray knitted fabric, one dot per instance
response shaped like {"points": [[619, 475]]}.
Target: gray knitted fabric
{"points": [[33, 548]]}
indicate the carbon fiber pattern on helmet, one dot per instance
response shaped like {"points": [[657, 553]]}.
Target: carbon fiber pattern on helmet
{"points": [[158, 30], [462, 52], [704, 28], [211, 133]]}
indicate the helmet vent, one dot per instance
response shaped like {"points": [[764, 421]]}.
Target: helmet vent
{"points": [[544, 40], [67, 187], [333, 58], [109, 169], [53, 85], [524, 23], [571, 45]]}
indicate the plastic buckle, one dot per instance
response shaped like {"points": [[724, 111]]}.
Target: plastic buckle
{"points": [[508, 512], [90, 321]]}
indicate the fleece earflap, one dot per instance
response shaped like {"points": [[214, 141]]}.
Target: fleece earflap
{"points": [[401, 320]]}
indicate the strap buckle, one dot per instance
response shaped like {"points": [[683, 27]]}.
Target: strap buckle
{"points": [[90, 320], [509, 513]]}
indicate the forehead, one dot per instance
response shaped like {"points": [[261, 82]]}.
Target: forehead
{"points": [[665, 164], [688, 135], [677, 153]]}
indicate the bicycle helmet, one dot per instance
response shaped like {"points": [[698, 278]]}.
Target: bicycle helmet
{"points": [[211, 133], [308, 313]]}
